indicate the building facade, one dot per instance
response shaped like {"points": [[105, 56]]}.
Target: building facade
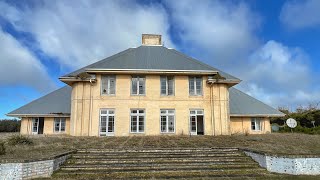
{"points": [[148, 90]]}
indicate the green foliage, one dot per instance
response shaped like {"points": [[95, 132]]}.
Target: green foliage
{"points": [[7, 125], [2, 148], [19, 140], [304, 118]]}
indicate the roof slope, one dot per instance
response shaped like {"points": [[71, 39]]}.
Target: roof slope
{"points": [[56, 102], [59, 101], [243, 104], [151, 57]]}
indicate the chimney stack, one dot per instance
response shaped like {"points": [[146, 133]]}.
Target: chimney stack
{"points": [[151, 39]]}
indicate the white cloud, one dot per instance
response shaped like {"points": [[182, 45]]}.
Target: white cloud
{"points": [[301, 14], [20, 67], [280, 76], [81, 32], [225, 30]]}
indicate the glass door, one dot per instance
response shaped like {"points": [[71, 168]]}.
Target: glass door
{"points": [[107, 122], [196, 122]]}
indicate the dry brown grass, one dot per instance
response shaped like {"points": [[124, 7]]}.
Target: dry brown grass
{"points": [[280, 144]]}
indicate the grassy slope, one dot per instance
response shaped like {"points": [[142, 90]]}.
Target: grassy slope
{"points": [[289, 144]]}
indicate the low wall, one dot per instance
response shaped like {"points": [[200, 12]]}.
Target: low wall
{"points": [[32, 169], [296, 165]]}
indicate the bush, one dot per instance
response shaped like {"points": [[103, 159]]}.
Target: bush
{"points": [[9, 125], [2, 148], [19, 140]]}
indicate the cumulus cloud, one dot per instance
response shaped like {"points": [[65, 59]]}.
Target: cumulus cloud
{"points": [[18, 66], [301, 14], [280, 76], [78, 33], [225, 30]]}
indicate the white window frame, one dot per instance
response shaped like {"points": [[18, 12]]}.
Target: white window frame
{"points": [[108, 79], [194, 79], [197, 112], [137, 93], [167, 86], [110, 113], [257, 123], [33, 122], [138, 115], [59, 120], [166, 114]]}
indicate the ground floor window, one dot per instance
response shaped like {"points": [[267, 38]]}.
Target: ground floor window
{"points": [[137, 118], [256, 124], [106, 122], [196, 122], [59, 125], [167, 120]]}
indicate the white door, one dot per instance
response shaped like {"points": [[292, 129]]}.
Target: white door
{"points": [[35, 125], [107, 122], [196, 122]]}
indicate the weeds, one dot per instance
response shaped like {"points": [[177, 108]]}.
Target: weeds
{"points": [[2, 148], [19, 140]]}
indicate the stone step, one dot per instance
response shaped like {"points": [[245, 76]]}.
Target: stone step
{"points": [[161, 160], [159, 150], [159, 155], [162, 174], [158, 168]]}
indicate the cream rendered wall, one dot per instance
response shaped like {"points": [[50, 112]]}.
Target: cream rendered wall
{"points": [[86, 103], [26, 126], [242, 125]]}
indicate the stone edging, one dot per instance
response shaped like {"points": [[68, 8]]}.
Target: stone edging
{"points": [[28, 169], [287, 164]]}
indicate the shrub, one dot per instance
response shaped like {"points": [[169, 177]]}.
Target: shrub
{"points": [[2, 148], [19, 140], [9, 125]]}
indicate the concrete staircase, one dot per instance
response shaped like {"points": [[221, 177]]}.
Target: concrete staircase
{"points": [[196, 163]]}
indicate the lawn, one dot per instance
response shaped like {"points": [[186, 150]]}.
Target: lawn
{"points": [[276, 143]]}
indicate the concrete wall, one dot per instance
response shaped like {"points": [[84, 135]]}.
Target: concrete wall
{"points": [[87, 101], [30, 170], [242, 125], [48, 127], [287, 165]]}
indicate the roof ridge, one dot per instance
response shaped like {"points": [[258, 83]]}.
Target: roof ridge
{"points": [[254, 98], [35, 100]]}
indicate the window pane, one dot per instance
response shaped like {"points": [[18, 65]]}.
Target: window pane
{"points": [[163, 124], [134, 86], [170, 85], [191, 86], [141, 111], [63, 125], [111, 124], [193, 123], [141, 85], [112, 85], [141, 123], [170, 123], [104, 85], [133, 123], [163, 84], [198, 86], [103, 124], [253, 126], [163, 111]]}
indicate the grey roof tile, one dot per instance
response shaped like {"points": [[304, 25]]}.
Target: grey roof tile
{"points": [[151, 57]]}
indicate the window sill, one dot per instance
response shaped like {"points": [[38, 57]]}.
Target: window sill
{"points": [[108, 95], [136, 132], [138, 95]]}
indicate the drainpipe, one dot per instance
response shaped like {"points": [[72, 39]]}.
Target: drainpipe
{"points": [[90, 108], [212, 109]]}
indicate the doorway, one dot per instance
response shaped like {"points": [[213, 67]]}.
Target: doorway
{"points": [[37, 125], [196, 122]]}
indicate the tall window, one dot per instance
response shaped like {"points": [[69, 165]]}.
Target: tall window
{"points": [[167, 120], [108, 84], [59, 124], [138, 85], [195, 86], [256, 124], [107, 122], [137, 120], [167, 85], [35, 125]]}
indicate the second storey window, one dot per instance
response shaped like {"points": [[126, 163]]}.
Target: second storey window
{"points": [[256, 124], [195, 86], [138, 84], [108, 84], [167, 85], [137, 120], [59, 124]]}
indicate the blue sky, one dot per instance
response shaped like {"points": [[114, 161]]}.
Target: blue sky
{"points": [[273, 46]]}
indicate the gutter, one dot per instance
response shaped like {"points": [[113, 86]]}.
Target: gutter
{"points": [[257, 115], [38, 115]]}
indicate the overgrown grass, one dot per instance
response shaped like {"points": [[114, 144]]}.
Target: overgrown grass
{"points": [[2, 148], [300, 129], [19, 140], [275, 143]]}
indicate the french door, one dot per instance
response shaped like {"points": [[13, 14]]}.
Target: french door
{"points": [[196, 122], [107, 122], [37, 125]]}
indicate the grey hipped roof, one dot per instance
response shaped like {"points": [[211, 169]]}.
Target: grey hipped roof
{"points": [[151, 57], [56, 102], [59, 101], [242, 104]]}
